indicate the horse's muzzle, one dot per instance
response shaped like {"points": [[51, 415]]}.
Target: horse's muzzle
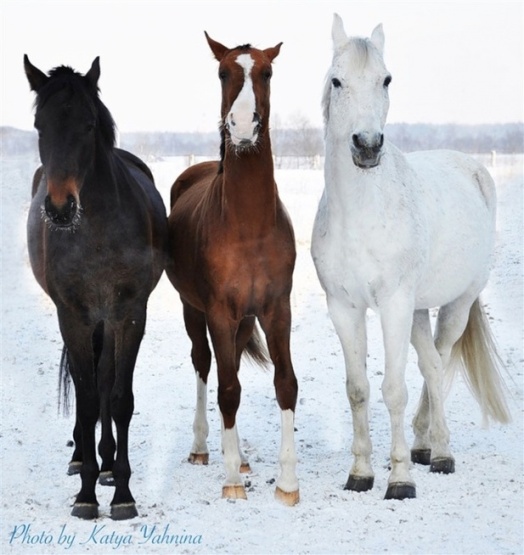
{"points": [[367, 151], [61, 216]]}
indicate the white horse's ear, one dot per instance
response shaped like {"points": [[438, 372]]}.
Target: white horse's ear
{"points": [[377, 38], [337, 32]]}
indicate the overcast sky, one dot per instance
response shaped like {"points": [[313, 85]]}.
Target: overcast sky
{"points": [[452, 62]]}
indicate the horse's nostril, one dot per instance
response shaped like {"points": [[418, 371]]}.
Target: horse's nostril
{"points": [[63, 215], [356, 141]]}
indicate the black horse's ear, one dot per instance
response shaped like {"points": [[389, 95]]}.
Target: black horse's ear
{"points": [[219, 50], [36, 78], [93, 75]]}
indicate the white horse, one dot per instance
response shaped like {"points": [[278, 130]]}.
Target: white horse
{"points": [[401, 234]]}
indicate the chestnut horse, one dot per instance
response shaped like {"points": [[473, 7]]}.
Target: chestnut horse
{"points": [[97, 231], [232, 255]]}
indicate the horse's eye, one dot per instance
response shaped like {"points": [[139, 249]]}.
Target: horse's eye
{"points": [[266, 75], [222, 75], [336, 83], [387, 81]]}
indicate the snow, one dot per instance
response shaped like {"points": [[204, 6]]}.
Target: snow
{"points": [[479, 509]]}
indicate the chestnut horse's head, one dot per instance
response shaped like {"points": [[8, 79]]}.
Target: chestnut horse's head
{"points": [[72, 123], [245, 74]]}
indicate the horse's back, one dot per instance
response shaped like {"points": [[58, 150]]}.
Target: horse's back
{"points": [[144, 177], [155, 205], [448, 167], [202, 173], [134, 161]]}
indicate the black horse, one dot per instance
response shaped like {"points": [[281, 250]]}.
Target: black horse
{"points": [[97, 232]]}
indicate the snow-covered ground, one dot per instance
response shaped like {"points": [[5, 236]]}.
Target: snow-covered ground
{"points": [[479, 509]]}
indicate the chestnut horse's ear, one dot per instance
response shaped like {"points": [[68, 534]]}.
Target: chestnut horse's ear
{"points": [[36, 78], [93, 75], [272, 53], [219, 50]]}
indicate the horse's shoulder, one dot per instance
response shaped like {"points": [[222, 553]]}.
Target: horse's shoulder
{"points": [[37, 178]]}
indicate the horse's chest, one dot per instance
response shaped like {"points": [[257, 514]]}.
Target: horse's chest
{"points": [[250, 272], [364, 259], [97, 276]]}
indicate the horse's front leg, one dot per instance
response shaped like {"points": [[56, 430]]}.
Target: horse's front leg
{"points": [[128, 336], [77, 338], [397, 319], [350, 325], [276, 323], [223, 332]]}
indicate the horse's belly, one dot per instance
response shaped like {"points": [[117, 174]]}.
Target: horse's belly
{"points": [[455, 272]]}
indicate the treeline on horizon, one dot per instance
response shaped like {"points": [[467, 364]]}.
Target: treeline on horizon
{"points": [[305, 141]]}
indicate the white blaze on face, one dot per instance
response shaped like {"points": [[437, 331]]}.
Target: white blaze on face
{"points": [[240, 120]]}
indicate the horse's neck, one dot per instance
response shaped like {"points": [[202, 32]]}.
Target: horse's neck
{"points": [[350, 190], [104, 181], [249, 192]]}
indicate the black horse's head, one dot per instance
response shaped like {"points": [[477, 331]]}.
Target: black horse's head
{"points": [[73, 127]]}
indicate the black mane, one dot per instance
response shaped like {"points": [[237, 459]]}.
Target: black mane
{"points": [[63, 77]]}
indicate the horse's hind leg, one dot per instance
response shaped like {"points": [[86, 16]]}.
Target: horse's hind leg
{"points": [[350, 325], [244, 333], [75, 465], [431, 444], [104, 347], [195, 322]]}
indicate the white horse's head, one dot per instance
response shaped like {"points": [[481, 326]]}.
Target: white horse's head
{"points": [[355, 100]]}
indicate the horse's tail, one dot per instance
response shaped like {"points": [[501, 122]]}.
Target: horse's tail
{"points": [[64, 383], [256, 349], [476, 354]]}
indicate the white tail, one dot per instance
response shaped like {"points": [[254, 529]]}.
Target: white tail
{"points": [[476, 354]]}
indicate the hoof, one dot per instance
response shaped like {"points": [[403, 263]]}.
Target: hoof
{"points": [[359, 483], [245, 468], [289, 498], [401, 491], [106, 478], [199, 458], [74, 467], [443, 465], [85, 511], [234, 492], [123, 511], [421, 456]]}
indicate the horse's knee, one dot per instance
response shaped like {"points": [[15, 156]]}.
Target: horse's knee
{"points": [[358, 396], [229, 401]]}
